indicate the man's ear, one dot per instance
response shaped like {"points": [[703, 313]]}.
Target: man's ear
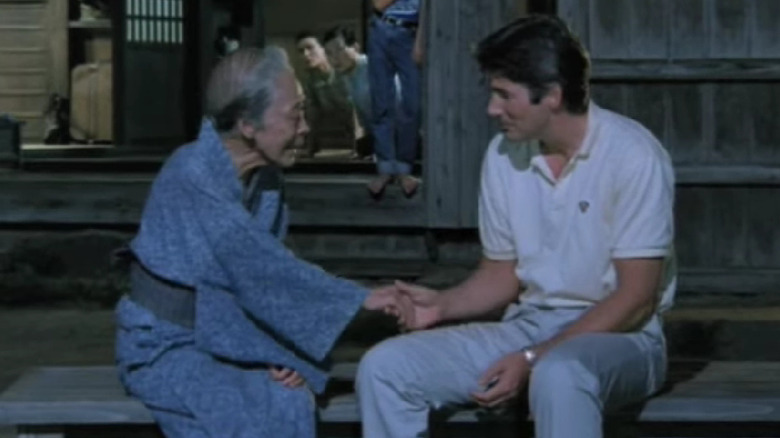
{"points": [[554, 97], [246, 129]]}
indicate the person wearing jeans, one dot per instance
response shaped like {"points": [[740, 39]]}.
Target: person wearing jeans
{"points": [[391, 44]]}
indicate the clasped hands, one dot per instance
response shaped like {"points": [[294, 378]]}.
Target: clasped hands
{"points": [[415, 307]]}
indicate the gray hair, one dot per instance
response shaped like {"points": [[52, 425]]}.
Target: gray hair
{"points": [[243, 85]]}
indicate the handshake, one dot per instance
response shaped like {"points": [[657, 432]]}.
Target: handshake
{"points": [[416, 307]]}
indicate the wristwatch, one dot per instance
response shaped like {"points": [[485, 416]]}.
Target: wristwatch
{"points": [[530, 355]]}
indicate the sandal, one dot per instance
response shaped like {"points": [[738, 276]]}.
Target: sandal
{"points": [[376, 187], [409, 185]]}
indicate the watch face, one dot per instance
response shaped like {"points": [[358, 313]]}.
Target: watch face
{"points": [[530, 355]]}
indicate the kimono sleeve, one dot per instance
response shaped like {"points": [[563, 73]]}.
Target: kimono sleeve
{"points": [[294, 300]]}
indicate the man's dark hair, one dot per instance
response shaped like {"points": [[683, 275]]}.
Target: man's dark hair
{"points": [[539, 51], [346, 33], [302, 35]]}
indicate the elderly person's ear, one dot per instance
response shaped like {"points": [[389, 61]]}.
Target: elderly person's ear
{"points": [[246, 129]]}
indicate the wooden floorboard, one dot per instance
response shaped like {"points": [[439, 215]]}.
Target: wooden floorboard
{"points": [[715, 392]]}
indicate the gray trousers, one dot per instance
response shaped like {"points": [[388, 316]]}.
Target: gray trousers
{"points": [[401, 379]]}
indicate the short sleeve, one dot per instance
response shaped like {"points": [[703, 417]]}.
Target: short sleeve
{"points": [[643, 224], [494, 226]]}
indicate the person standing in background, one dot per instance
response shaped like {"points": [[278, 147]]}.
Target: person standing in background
{"points": [[329, 110], [351, 66], [391, 44]]}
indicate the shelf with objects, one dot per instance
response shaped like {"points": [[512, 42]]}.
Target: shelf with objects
{"points": [[91, 73], [77, 112]]}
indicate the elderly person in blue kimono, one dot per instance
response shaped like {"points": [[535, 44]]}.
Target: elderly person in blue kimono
{"points": [[225, 332]]}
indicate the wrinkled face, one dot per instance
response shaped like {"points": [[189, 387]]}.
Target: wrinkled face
{"points": [[312, 52], [521, 119], [339, 55], [284, 126]]}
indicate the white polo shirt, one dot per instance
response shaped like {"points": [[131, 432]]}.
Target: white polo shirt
{"points": [[613, 200]]}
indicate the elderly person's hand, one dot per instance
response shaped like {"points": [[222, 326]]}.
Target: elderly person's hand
{"points": [[391, 302], [286, 377]]}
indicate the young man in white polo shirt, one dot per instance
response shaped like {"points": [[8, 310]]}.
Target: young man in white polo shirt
{"points": [[575, 218]]}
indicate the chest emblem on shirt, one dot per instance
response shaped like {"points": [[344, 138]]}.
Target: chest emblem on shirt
{"points": [[584, 206]]}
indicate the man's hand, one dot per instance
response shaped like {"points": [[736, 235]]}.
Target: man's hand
{"points": [[286, 377], [381, 5], [503, 381], [426, 305], [418, 55], [390, 301]]}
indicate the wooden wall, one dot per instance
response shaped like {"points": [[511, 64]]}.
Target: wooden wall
{"points": [[704, 76], [456, 126], [33, 60]]}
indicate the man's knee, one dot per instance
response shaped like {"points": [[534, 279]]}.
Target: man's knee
{"points": [[555, 380], [382, 362]]}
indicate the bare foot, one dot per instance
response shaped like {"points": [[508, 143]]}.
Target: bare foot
{"points": [[377, 185], [409, 185]]}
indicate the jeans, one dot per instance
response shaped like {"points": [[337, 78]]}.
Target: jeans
{"points": [[396, 131]]}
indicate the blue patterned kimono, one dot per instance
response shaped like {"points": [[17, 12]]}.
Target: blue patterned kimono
{"points": [[256, 304]]}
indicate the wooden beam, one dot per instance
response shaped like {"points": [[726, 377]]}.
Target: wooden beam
{"points": [[729, 281], [315, 200], [728, 175], [108, 200], [604, 70]]}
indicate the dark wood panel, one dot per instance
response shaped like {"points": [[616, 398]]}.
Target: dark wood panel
{"points": [[730, 30], [478, 18], [441, 154], [609, 28], [765, 37], [763, 228], [728, 227], [762, 102], [153, 97], [574, 13], [648, 105], [686, 130], [611, 96], [733, 137], [693, 227], [649, 23], [689, 29], [457, 128]]}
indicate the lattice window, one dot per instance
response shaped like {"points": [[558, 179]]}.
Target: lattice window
{"points": [[155, 21]]}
